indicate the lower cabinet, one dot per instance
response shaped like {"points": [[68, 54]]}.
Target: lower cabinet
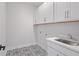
{"points": [[58, 50], [53, 52]]}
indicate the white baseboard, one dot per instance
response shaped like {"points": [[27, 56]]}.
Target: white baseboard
{"points": [[11, 48]]}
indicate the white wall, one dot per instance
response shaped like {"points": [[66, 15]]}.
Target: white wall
{"points": [[2, 23], [19, 25], [55, 30], [2, 26]]}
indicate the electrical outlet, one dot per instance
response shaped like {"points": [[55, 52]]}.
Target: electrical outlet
{"points": [[46, 34], [40, 32], [44, 19]]}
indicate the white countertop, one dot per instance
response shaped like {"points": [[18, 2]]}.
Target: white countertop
{"points": [[74, 48]]}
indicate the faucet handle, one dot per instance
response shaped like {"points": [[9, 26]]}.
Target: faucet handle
{"points": [[69, 35]]}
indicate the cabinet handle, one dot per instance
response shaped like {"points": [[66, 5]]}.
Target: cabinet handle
{"points": [[65, 14]]}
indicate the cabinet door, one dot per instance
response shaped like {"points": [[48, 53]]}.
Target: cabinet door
{"points": [[74, 10], [62, 10], [44, 13], [52, 52]]}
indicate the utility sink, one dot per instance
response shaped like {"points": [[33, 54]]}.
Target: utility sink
{"points": [[68, 42]]}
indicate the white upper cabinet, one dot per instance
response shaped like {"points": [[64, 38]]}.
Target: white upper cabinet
{"points": [[74, 10], [44, 13], [62, 11], [57, 12]]}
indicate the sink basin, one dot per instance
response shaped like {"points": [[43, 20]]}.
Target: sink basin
{"points": [[68, 42]]}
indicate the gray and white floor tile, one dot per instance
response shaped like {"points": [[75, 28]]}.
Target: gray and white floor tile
{"points": [[34, 50]]}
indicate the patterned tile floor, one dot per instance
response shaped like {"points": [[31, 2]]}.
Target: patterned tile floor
{"points": [[33, 50]]}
